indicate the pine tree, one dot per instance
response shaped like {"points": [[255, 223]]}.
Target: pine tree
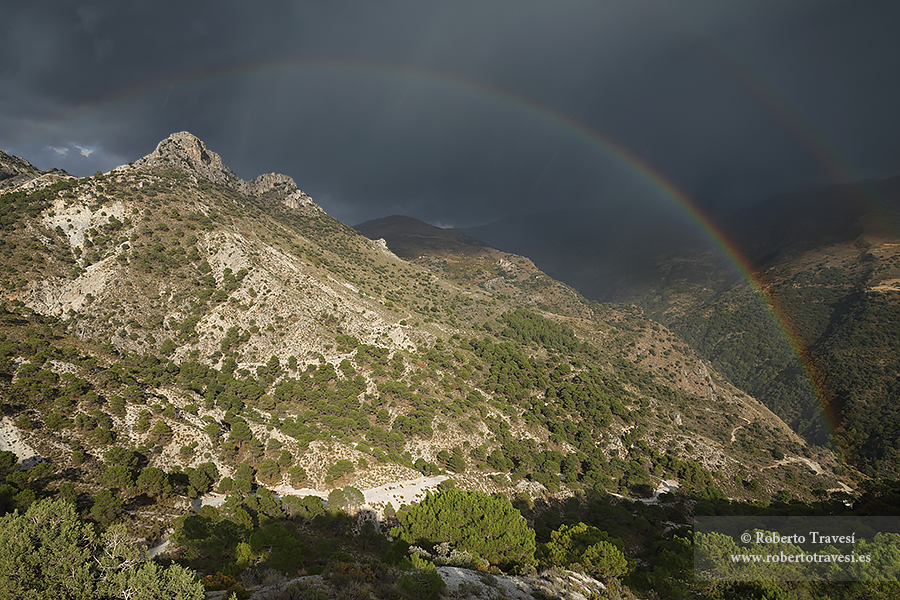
{"points": [[472, 521], [48, 552]]}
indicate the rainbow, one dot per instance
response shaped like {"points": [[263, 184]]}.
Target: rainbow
{"points": [[616, 152], [766, 95]]}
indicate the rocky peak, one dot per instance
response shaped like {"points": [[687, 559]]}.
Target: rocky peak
{"points": [[267, 182], [186, 152]]}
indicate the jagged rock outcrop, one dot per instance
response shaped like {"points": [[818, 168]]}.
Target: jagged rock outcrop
{"points": [[15, 171], [267, 182], [186, 152], [381, 245]]}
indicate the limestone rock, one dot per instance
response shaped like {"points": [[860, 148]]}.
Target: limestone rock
{"points": [[186, 152], [381, 245], [268, 182]]}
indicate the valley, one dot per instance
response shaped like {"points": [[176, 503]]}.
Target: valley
{"points": [[799, 335]]}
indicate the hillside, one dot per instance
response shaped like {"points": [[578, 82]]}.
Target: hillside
{"points": [[15, 171], [170, 331], [828, 258], [472, 263]]}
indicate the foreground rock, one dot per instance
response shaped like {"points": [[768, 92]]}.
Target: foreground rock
{"points": [[466, 583]]}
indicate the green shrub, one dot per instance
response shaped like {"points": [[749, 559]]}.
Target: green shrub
{"points": [[425, 584], [486, 526], [596, 551]]}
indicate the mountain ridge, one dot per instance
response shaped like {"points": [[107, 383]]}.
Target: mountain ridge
{"points": [[229, 254], [15, 171], [164, 335], [403, 234], [186, 152], [812, 218]]}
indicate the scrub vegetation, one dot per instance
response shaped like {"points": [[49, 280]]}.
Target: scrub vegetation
{"points": [[194, 358]]}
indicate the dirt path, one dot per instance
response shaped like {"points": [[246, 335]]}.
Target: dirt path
{"points": [[667, 485], [157, 550], [397, 493], [843, 488], [11, 441], [813, 466], [402, 492], [733, 431]]}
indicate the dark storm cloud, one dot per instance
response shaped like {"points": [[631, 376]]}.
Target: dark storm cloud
{"points": [[434, 109]]}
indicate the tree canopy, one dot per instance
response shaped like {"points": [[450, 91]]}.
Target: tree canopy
{"points": [[593, 549], [48, 552], [472, 521]]}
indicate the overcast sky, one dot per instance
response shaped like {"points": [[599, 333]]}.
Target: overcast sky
{"points": [[461, 112]]}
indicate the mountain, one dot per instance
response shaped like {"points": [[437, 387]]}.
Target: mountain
{"points": [[174, 257], [406, 236], [15, 171], [791, 224], [469, 261], [831, 260], [609, 254], [169, 332], [828, 260]]}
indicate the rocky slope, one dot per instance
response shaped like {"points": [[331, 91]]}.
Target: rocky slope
{"points": [[15, 171], [828, 260], [170, 308]]}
